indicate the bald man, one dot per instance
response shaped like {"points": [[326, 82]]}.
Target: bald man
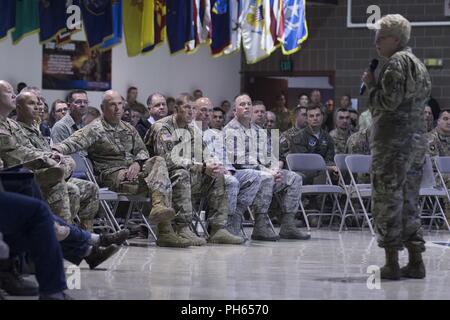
{"points": [[122, 164], [51, 169]]}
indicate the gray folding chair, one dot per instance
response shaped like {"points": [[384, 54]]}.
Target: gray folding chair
{"points": [[84, 171], [430, 191], [339, 160], [360, 164], [443, 168], [310, 162]]}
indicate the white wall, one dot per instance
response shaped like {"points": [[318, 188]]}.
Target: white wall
{"points": [[158, 71]]}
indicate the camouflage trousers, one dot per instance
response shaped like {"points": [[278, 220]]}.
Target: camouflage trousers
{"points": [[288, 190], [396, 177], [188, 190], [152, 178], [84, 201], [241, 190]]}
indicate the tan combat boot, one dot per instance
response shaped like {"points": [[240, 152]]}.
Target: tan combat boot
{"points": [[160, 212], [223, 236], [186, 233], [289, 230], [168, 238], [262, 230]]}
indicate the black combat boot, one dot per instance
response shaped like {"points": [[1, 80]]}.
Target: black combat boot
{"points": [[391, 270], [13, 282], [415, 268]]}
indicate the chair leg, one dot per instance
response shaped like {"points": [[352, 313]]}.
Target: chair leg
{"points": [[149, 227], [304, 216]]}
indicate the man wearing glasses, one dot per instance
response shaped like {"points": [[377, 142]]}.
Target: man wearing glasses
{"points": [[78, 103]]}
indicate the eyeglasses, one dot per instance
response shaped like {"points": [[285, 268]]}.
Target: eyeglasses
{"points": [[61, 110]]}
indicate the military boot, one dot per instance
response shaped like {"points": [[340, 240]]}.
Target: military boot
{"points": [[13, 283], [234, 224], [168, 238], [289, 230], [100, 255], [415, 268], [160, 212], [186, 233], [391, 270], [262, 230], [223, 236]]}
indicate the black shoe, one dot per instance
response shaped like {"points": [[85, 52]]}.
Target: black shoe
{"points": [[15, 285], [114, 238], [100, 255]]}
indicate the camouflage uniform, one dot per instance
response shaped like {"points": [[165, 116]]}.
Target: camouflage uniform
{"points": [[241, 185], [186, 171], [358, 143], [288, 190], [365, 120], [112, 150], [83, 194], [306, 142], [16, 149], [340, 138], [398, 148]]}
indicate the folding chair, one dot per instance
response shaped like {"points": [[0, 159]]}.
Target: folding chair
{"points": [[360, 164], [431, 192], [84, 169], [339, 160], [310, 162], [443, 167]]}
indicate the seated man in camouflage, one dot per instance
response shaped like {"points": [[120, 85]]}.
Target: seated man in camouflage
{"points": [[439, 145], [50, 168], [177, 140], [122, 164], [243, 139], [83, 194], [342, 132]]}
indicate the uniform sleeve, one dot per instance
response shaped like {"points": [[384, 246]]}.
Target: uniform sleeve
{"points": [[432, 145], [329, 157], [139, 150], [390, 92], [303, 145], [59, 133], [284, 147], [79, 140]]}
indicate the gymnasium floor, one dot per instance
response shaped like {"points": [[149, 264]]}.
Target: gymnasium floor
{"points": [[329, 266]]}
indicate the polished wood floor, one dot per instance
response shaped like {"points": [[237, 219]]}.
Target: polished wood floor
{"points": [[331, 265]]}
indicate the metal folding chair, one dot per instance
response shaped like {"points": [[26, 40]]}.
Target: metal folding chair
{"points": [[310, 162], [443, 168], [430, 191], [360, 164]]}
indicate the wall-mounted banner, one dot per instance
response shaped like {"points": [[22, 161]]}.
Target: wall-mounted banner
{"points": [[74, 66]]}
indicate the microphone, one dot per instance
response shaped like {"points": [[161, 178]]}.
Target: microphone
{"points": [[373, 65]]}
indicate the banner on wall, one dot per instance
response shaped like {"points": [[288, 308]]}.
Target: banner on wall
{"points": [[74, 66]]}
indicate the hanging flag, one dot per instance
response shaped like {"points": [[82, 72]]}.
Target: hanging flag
{"points": [[180, 25], [159, 25], [202, 19], [52, 18], [27, 19], [97, 21], [138, 25], [256, 37], [236, 21], [117, 26], [7, 17], [295, 26], [276, 21], [221, 27]]}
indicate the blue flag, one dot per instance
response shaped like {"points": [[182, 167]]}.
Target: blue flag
{"points": [[221, 26], [97, 21], [52, 18], [7, 16], [117, 25], [180, 26], [295, 26]]}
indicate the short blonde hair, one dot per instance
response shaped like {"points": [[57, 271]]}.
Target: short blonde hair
{"points": [[396, 25]]}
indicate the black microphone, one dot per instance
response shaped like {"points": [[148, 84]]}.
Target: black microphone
{"points": [[373, 65]]}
